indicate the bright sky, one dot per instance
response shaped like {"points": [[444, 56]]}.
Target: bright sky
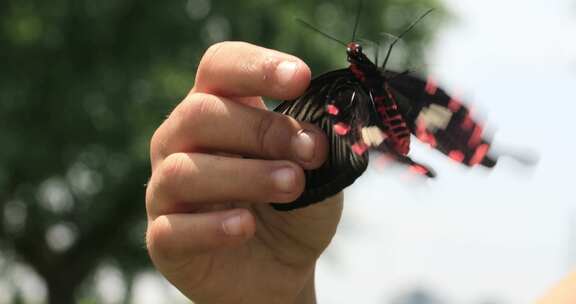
{"points": [[473, 236]]}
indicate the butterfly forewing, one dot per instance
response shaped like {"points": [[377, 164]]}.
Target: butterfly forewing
{"points": [[337, 104]]}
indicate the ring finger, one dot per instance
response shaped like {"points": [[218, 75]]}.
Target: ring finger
{"points": [[186, 181]]}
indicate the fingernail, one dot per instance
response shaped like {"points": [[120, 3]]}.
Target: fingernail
{"points": [[284, 179], [285, 71], [232, 226], [303, 146]]}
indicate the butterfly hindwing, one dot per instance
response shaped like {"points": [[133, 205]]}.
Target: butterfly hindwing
{"points": [[440, 120], [337, 103]]}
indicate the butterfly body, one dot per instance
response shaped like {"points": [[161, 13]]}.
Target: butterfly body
{"points": [[392, 123]]}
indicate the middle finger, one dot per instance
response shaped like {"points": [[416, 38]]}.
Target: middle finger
{"points": [[207, 123]]}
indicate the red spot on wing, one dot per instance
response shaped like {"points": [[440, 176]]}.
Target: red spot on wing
{"points": [[431, 86], [454, 105], [332, 109], [359, 148], [476, 137], [479, 154], [341, 128], [456, 155]]}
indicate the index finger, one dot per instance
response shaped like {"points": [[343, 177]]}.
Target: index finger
{"points": [[239, 69]]}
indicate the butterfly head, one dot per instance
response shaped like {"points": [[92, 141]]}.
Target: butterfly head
{"points": [[353, 49], [356, 55]]}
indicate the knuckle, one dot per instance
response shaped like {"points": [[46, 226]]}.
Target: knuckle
{"points": [[206, 62], [273, 135], [172, 168], [264, 132], [195, 107], [160, 184], [158, 145], [158, 239], [151, 192], [153, 236]]}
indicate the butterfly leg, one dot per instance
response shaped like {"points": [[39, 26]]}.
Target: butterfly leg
{"points": [[414, 166]]}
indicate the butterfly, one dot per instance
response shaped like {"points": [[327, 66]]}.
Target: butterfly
{"points": [[365, 108]]}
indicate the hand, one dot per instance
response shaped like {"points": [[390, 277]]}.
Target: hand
{"points": [[211, 230]]}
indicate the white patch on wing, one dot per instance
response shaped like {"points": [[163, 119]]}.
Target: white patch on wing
{"points": [[373, 136], [435, 117]]}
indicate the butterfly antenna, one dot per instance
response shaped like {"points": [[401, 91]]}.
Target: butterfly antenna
{"points": [[357, 20], [311, 27], [402, 35], [377, 52], [389, 35]]}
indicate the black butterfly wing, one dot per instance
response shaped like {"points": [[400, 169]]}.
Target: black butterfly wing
{"points": [[440, 120], [337, 103]]}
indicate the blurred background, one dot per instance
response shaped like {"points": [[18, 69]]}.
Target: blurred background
{"points": [[83, 84]]}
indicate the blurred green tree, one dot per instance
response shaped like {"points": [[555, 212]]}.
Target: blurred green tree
{"points": [[84, 83]]}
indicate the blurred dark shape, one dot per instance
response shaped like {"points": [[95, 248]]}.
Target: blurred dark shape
{"points": [[83, 85], [417, 295], [426, 295]]}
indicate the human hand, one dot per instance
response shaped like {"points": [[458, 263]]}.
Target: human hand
{"points": [[211, 231]]}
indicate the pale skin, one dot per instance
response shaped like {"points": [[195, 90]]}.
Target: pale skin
{"points": [[211, 231], [218, 160]]}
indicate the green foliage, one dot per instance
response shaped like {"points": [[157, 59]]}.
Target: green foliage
{"points": [[83, 85]]}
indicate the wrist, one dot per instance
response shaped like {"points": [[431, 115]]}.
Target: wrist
{"points": [[308, 293]]}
